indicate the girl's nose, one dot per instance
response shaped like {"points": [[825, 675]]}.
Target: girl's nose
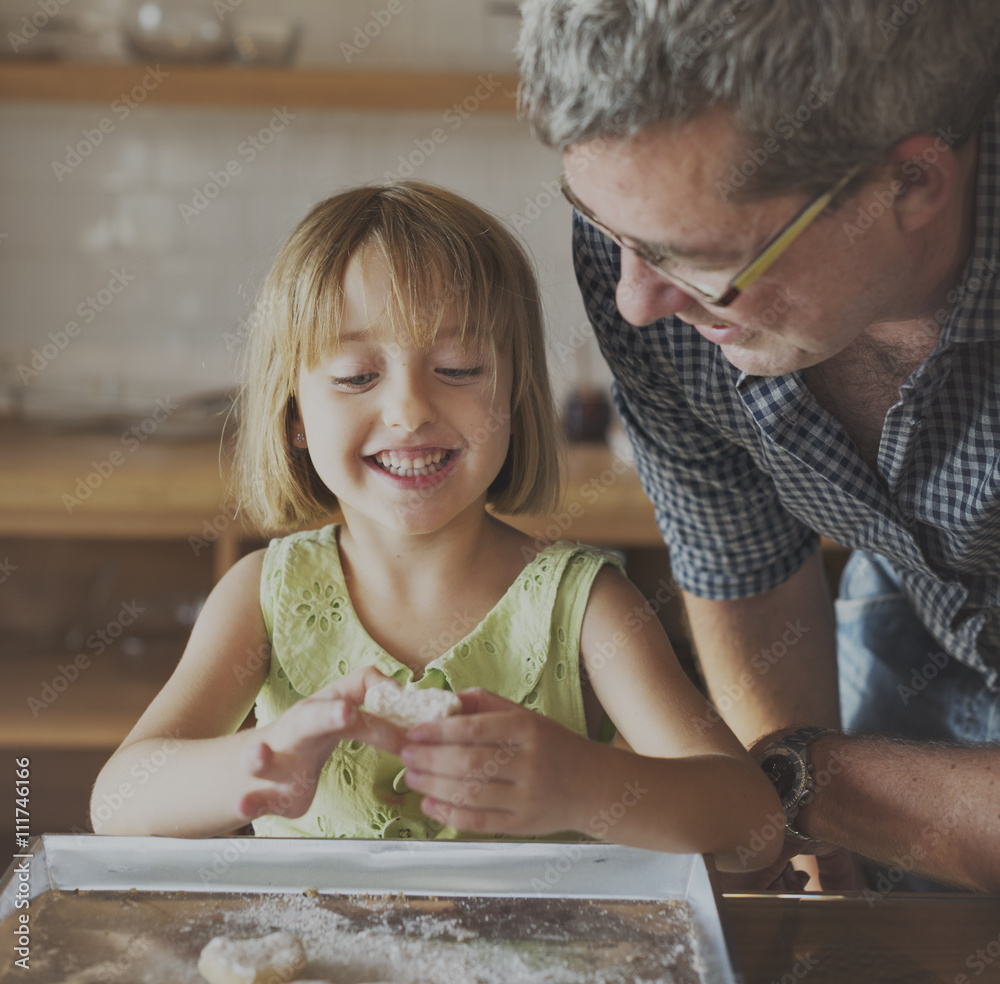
{"points": [[643, 296], [408, 404]]}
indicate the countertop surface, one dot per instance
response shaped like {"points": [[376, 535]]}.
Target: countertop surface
{"points": [[856, 938]]}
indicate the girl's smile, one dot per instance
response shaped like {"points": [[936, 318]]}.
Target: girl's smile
{"points": [[415, 467]]}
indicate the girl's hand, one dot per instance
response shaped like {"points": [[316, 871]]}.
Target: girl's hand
{"points": [[288, 755], [499, 768]]}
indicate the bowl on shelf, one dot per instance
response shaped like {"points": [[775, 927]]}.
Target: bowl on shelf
{"points": [[264, 40], [183, 30]]}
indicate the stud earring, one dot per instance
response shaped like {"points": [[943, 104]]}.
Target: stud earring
{"points": [[300, 440]]}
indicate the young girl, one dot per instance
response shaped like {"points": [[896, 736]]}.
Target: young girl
{"points": [[397, 370]]}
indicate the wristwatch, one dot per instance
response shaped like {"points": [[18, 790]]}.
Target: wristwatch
{"points": [[786, 763]]}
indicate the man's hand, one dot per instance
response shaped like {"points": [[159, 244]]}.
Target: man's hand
{"points": [[285, 763]]}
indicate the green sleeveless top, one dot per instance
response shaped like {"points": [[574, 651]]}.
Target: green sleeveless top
{"points": [[526, 649]]}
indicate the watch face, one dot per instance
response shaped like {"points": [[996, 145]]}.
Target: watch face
{"points": [[782, 773]]}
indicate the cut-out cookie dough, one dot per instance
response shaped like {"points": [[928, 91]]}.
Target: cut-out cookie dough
{"points": [[407, 708], [273, 959]]}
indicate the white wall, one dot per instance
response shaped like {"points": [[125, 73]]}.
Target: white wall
{"points": [[67, 229]]}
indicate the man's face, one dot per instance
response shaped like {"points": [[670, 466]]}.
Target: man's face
{"points": [[666, 188]]}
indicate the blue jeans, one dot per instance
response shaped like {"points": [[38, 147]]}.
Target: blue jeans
{"points": [[895, 680]]}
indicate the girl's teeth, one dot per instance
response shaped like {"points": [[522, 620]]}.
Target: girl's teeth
{"points": [[412, 467]]}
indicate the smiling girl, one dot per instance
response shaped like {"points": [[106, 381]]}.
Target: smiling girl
{"points": [[397, 370]]}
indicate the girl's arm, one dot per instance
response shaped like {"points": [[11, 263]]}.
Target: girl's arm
{"points": [[185, 771], [689, 786]]}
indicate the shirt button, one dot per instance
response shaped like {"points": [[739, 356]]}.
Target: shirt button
{"points": [[400, 829]]}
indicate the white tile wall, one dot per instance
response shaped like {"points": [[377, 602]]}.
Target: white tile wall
{"points": [[120, 207]]}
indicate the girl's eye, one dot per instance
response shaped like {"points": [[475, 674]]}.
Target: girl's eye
{"points": [[355, 382], [469, 373]]}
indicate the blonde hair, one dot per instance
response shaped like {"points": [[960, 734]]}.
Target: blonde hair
{"points": [[442, 253]]}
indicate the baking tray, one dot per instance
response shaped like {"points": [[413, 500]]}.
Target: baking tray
{"points": [[410, 872]]}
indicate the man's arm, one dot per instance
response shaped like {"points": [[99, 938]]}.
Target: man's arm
{"points": [[931, 808], [770, 660]]}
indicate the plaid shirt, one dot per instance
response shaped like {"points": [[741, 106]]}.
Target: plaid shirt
{"points": [[746, 471]]}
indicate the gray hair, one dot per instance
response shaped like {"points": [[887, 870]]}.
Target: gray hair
{"points": [[815, 88]]}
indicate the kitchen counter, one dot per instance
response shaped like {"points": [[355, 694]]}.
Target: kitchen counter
{"points": [[891, 938]]}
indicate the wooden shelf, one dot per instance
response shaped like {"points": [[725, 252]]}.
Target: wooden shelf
{"points": [[163, 490], [229, 85], [48, 702]]}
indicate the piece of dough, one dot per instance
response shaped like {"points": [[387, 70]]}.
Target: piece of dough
{"points": [[407, 708], [273, 959]]}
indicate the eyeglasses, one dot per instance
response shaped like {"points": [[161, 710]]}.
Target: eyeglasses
{"points": [[725, 290]]}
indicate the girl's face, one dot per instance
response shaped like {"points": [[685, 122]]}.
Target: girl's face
{"points": [[405, 437]]}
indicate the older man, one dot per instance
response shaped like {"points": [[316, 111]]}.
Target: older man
{"points": [[787, 236]]}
